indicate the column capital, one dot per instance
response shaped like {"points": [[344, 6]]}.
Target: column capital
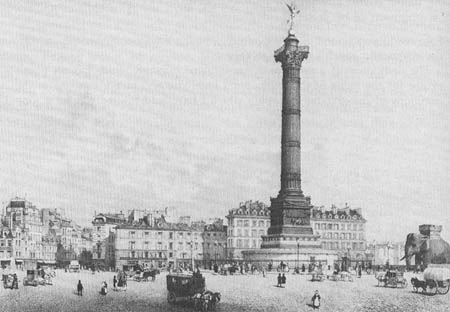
{"points": [[292, 58]]}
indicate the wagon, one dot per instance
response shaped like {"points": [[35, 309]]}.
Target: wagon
{"points": [[33, 279], [342, 276], [392, 279], [8, 281], [318, 276], [146, 275], [184, 286], [437, 279]]}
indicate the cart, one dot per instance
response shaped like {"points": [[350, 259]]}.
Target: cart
{"points": [[391, 279], [33, 279], [145, 275], [318, 276], [437, 279], [8, 281], [184, 286], [191, 287], [341, 276]]}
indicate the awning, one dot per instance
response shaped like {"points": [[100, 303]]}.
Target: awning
{"points": [[19, 261]]}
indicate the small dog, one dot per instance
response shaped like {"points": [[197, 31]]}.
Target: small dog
{"points": [[416, 283]]}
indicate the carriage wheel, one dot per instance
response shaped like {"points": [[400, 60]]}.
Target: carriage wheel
{"points": [[404, 283], [432, 287], [445, 287], [171, 297], [415, 289]]}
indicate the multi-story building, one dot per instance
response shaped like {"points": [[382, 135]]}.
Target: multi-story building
{"points": [[24, 221], [157, 245], [214, 243], [246, 225], [341, 230], [103, 237]]}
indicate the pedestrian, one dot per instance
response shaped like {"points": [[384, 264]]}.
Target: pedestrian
{"points": [[279, 280], [263, 272], [359, 271], [104, 289], [283, 280], [80, 288], [115, 283], [316, 300], [15, 284]]}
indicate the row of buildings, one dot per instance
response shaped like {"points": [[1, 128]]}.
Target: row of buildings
{"points": [[30, 236]]}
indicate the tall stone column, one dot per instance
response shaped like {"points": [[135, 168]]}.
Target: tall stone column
{"points": [[290, 210], [291, 57]]}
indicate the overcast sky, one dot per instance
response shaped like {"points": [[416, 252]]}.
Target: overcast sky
{"points": [[114, 105]]}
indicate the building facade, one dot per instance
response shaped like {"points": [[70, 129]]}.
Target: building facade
{"points": [[342, 230], [246, 226], [162, 244], [214, 243]]}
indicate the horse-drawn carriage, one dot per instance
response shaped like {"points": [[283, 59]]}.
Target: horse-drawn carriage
{"points": [[34, 278], [341, 276], [192, 288], [146, 275], [10, 281], [436, 280], [391, 278]]}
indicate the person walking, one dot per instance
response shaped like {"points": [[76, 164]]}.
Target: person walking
{"points": [[316, 300], [115, 283], [279, 280], [80, 288], [283, 280]]}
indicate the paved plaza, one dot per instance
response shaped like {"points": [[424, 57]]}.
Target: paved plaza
{"points": [[239, 293]]}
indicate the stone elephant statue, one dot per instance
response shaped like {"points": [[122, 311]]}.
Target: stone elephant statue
{"points": [[426, 250]]}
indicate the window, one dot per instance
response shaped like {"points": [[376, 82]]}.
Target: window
{"points": [[170, 254], [132, 234], [354, 227], [255, 223], [146, 245], [246, 243], [239, 243], [170, 246], [239, 222], [261, 232], [324, 226], [239, 233], [261, 223], [159, 246], [336, 236], [254, 233], [133, 254], [246, 223], [245, 232], [330, 226], [132, 245], [146, 254], [170, 235], [254, 243], [268, 223], [336, 226], [146, 234], [180, 246], [349, 227]]}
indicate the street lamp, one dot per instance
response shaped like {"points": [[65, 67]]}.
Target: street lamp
{"points": [[298, 251], [192, 255], [215, 251]]}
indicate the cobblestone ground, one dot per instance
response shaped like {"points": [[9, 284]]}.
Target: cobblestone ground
{"points": [[239, 293]]}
